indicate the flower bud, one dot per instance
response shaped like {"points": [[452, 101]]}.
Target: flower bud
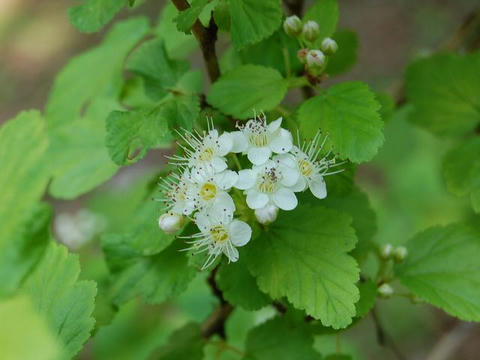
{"points": [[267, 214], [310, 30], [386, 251], [292, 26], [170, 222], [385, 291], [400, 253], [329, 46], [315, 59], [302, 55]]}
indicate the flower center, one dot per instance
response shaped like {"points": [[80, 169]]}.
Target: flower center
{"points": [[219, 234], [206, 154], [306, 167], [258, 139], [208, 191], [268, 182]]}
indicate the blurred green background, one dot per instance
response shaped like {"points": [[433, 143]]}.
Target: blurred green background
{"points": [[404, 182]]}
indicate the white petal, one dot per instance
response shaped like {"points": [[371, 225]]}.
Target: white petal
{"points": [[289, 175], [318, 187], [240, 232], [226, 179], [219, 164], [203, 221], [225, 144], [282, 142], [239, 142], [285, 199], [223, 204], [259, 155], [256, 200], [246, 179], [274, 125], [231, 253], [300, 185]]}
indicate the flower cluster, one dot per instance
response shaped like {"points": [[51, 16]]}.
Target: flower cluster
{"points": [[200, 189]]}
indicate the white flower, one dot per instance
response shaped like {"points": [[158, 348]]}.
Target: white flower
{"points": [[170, 222], [269, 184], [207, 149], [176, 193], [209, 189], [315, 59], [219, 233], [258, 140], [267, 214], [312, 169]]}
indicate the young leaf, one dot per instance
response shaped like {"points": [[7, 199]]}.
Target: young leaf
{"points": [[253, 20], [325, 13], [348, 112], [303, 256], [368, 295], [65, 302], [461, 168], [92, 15], [444, 91], [280, 339], [346, 56], [185, 343], [248, 88], [185, 19], [239, 287], [443, 268]]}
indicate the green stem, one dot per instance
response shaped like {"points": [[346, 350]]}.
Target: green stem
{"points": [[236, 161]]}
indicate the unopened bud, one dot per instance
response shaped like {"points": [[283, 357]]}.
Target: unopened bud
{"points": [[267, 214], [315, 59], [170, 222], [386, 251], [310, 31], [329, 46], [400, 253], [385, 291], [302, 55], [292, 26]]}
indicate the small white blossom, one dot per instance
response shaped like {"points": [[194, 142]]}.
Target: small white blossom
{"points": [[329, 46], [207, 149], [219, 233], [267, 214], [315, 59], [176, 191], [310, 30], [269, 184], [209, 189], [170, 222], [258, 139]]}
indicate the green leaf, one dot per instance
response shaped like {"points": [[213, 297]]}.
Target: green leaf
{"points": [[186, 18], [92, 15], [155, 278], [185, 343], [338, 357], [444, 91], [65, 302], [368, 295], [346, 56], [461, 168], [221, 15], [248, 88], [443, 268], [388, 106], [280, 339], [303, 256], [239, 287], [325, 13], [24, 334], [253, 20], [348, 112]]}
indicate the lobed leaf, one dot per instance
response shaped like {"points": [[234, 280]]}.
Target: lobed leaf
{"points": [[92, 15]]}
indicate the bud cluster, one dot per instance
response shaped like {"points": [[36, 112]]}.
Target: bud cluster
{"points": [[200, 189]]}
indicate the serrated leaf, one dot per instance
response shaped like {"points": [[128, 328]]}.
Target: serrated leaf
{"points": [[186, 18], [346, 55], [248, 88], [443, 268], [387, 103], [303, 256], [221, 15], [461, 168], [368, 295], [348, 112], [65, 302], [24, 334], [239, 287], [325, 13], [92, 15], [280, 339], [444, 91], [253, 20], [184, 343]]}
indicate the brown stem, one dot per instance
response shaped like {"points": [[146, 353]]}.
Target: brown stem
{"points": [[206, 37], [295, 7]]}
